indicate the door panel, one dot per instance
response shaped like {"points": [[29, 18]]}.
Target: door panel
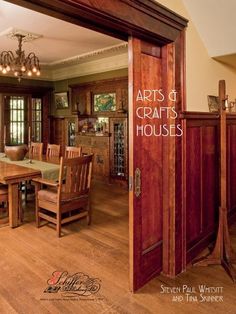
{"points": [[145, 153]]}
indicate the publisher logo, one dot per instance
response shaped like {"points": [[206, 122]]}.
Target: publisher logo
{"points": [[72, 285]]}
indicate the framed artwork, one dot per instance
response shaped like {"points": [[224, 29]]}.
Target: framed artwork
{"points": [[213, 103], [61, 100], [103, 102]]}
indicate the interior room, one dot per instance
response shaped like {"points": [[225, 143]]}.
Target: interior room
{"points": [[117, 157]]}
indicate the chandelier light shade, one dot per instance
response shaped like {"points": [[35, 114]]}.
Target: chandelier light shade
{"points": [[19, 64]]}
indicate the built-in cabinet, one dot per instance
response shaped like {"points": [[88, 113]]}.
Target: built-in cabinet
{"points": [[82, 96], [102, 130], [62, 131], [99, 146], [99, 130], [71, 126], [57, 132], [110, 151], [118, 148]]}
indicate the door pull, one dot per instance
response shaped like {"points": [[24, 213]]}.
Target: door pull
{"points": [[137, 182]]}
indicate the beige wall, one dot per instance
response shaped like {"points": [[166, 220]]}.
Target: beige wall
{"points": [[202, 72]]}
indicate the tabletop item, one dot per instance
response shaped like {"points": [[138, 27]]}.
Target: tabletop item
{"points": [[16, 152], [49, 168]]}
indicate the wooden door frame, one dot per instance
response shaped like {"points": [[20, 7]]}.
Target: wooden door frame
{"points": [[152, 22]]}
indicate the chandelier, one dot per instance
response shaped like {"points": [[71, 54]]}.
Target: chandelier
{"points": [[18, 63]]}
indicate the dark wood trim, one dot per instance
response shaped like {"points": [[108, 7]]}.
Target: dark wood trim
{"points": [[204, 115], [198, 115], [151, 248], [231, 116], [203, 243], [199, 124], [174, 248], [228, 141], [24, 89], [148, 49], [144, 19], [168, 157], [91, 83], [82, 97], [132, 220], [180, 105], [183, 193], [30, 92]]}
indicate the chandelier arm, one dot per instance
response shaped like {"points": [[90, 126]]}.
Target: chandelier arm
{"points": [[18, 63], [32, 60], [31, 54], [5, 53], [8, 58]]}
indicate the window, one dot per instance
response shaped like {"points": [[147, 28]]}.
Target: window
{"points": [[71, 133], [17, 119], [19, 114], [36, 119]]}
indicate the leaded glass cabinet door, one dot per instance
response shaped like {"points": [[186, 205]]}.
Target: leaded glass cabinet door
{"points": [[36, 112], [118, 149], [71, 133]]}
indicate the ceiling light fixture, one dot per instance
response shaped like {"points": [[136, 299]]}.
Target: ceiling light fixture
{"points": [[19, 64]]}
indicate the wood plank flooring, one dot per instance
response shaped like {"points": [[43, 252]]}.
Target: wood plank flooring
{"points": [[29, 256]]}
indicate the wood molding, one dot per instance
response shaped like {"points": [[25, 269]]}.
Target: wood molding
{"points": [[142, 18], [195, 115], [92, 67], [198, 115], [82, 94], [174, 248], [201, 143], [23, 89], [100, 82]]}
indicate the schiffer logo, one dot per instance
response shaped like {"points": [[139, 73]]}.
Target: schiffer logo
{"points": [[78, 284]]}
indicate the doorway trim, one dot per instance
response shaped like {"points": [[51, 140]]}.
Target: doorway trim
{"points": [[149, 21], [146, 19]]}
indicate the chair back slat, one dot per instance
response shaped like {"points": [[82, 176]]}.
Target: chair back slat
{"points": [[82, 177], [36, 150], [86, 177], [77, 176], [72, 152], [53, 150]]}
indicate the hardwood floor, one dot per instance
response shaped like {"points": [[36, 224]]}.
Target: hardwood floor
{"points": [[29, 256]]}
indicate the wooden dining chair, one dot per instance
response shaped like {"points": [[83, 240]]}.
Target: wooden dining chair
{"points": [[36, 150], [72, 152], [4, 205], [53, 150], [67, 199]]}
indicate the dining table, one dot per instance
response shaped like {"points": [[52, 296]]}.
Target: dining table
{"points": [[14, 172]]}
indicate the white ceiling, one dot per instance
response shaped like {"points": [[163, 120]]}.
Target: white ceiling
{"points": [[215, 23], [61, 40], [213, 19]]}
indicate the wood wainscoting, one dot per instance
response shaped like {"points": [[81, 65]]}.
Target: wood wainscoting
{"points": [[201, 180], [231, 171]]}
